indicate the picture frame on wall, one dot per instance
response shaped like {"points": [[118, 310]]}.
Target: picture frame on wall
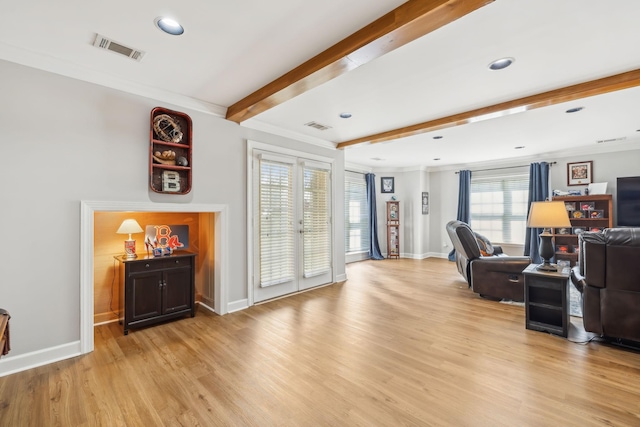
{"points": [[425, 203], [580, 173], [387, 184]]}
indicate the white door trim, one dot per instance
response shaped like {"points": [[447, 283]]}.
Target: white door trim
{"points": [[255, 145]]}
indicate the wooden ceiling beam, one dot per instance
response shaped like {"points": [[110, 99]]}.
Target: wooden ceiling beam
{"points": [[406, 23], [570, 93]]}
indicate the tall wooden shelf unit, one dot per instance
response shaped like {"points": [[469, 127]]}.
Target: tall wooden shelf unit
{"points": [[393, 229], [599, 216]]}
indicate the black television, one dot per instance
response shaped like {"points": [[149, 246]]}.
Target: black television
{"points": [[628, 201]]}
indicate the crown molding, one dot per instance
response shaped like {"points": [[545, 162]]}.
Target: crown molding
{"points": [[629, 145], [74, 71]]}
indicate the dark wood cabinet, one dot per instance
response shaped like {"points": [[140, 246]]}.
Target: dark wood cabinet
{"points": [[156, 289], [586, 213]]}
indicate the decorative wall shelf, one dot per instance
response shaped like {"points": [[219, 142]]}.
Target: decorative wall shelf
{"points": [[170, 152]]}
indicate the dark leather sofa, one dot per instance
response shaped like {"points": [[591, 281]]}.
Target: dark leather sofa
{"points": [[496, 276], [608, 275]]}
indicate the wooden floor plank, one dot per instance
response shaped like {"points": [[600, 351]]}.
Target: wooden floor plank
{"points": [[402, 342]]}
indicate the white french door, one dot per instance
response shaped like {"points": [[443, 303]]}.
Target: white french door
{"points": [[291, 224]]}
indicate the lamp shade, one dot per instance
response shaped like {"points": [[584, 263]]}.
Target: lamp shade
{"points": [[548, 215], [129, 226]]}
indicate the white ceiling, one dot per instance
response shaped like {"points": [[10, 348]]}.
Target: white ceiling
{"points": [[232, 48]]}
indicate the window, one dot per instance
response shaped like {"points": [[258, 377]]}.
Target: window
{"points": [[356, 217], [316, 221], [499, 207], [276, 223]]}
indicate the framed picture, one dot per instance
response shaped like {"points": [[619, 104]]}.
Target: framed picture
{"points": [[565, 230], [598, 213], [387, 185], [580, 173], [578, 214], [587, 206], [570, 206], [425, 203]]}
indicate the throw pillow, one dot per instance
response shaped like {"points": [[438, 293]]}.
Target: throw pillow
{"points": [[486, 249]]}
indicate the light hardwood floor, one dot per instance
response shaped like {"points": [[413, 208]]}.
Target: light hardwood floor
{"points": [[402, 342]]}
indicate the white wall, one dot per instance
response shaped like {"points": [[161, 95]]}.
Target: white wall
{"points": [[414, 227], [64, 141], [444, 208]]}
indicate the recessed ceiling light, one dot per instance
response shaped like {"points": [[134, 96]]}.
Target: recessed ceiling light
{"points": [[169, 26], [519, 147], [574, 110], [345, 115], [437, 137], [501, 63]]}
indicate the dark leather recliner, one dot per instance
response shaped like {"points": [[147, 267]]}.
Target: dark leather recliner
{"points": [[608, 275], [497, 276]]}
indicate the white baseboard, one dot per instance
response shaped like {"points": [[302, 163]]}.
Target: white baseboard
{"points": [[206, 306], [12, 364], [439, 255], [414, 256], [341, 277], [237, 305]]}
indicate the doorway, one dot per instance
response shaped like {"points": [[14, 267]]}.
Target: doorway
{"points": [[291, 221]]}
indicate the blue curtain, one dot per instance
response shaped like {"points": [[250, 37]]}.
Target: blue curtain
{"points": [[374, 247], [464, 203], [538, 192]]}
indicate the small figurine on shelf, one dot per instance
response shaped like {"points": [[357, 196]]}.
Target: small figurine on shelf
{"points": [[148, 245]]}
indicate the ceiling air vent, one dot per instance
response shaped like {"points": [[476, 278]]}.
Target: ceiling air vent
{"points": [[104, 43], [317, 125], [601, 141]]}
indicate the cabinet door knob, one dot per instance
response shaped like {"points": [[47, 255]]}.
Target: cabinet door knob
{"points": [[146, 265], [177, 261]]}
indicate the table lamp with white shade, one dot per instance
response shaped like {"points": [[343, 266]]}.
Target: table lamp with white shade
{"points": [[129, 226], [547, 215]]}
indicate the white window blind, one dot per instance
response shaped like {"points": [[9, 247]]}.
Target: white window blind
{"points": [[499, 206], [277, 234], [356, 215], [316, 222]]}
